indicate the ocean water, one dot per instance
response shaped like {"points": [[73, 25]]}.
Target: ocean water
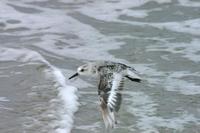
{"points": [[42, 42]]}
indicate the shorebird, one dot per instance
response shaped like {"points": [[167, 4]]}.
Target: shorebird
{"points": [[111, 80]]}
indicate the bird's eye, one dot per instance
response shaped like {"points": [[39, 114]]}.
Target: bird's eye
{"points": [[82, 70]]}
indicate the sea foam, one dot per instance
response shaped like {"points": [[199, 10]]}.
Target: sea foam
{"points": [[67, 93]]}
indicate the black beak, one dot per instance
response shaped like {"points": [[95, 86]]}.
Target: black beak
{"points": [[76, 74]]}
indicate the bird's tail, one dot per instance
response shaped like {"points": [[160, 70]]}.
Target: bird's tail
{"points": [[132, 75], [107, 114]]}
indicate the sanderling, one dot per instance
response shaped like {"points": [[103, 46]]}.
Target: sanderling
{"points": [[111, 79]]}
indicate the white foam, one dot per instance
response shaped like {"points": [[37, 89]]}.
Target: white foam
{"points": [[93, 127], [110, 11], [187, 50], [144, 109], [66, 93], [150, 123], [134, 13], [171, 81], [95, 45], [105, 11], [188, 26], [4, 99], [2, 106], [189, 3], [175, 82], [20, 55], [56, 22]]}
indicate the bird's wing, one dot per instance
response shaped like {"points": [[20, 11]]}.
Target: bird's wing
{"points": [[117, 85], [110, 98]]}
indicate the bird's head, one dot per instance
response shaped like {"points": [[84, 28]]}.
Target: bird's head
{"points": [[88, 69]]}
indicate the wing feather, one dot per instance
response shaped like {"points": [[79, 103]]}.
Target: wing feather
{"points": [[110, 99]]}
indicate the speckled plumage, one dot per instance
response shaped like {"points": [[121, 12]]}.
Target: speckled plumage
{"points": [[111, 80]]}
